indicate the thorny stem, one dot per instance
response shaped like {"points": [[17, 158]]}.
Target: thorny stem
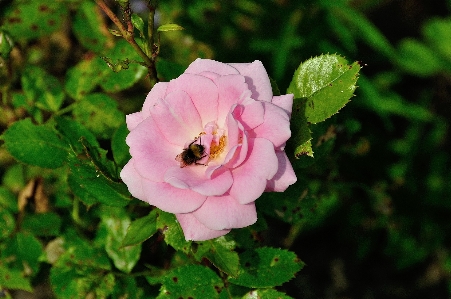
{"points": [[127, 34]]}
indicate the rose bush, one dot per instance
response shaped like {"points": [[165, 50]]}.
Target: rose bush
{"points": [[207, 144]]}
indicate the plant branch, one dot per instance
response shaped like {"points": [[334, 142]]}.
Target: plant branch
{"points": [[127, 34]]}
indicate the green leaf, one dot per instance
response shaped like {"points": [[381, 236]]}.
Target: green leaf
{"points": [[266, 267], [120, 149], [42, 88], [98, 158], [20, 101], [117, 81], [438, 34], [126, 287], [327, 82], [85, 76], [8, 200], [74, 132], [24, 249], [8, 224], [6, 44], [141, 229], [13, 279], [80, 271], [191, 281], [116, 222], [90, 29], [169, 27], [265, 294], [35, 145], [89, 184], [138, 23], [43, 224], [99, 114], [221, 253], [417, 58], [300, 141], [173, 233], [33, 19]]}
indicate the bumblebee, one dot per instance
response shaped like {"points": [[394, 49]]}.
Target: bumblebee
{"points": [[191, 154]]}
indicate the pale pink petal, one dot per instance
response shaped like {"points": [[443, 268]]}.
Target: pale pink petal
{"points": [[202, 91], [210, 75], [177, 118], [157, 92], [257, 79], [237, 143], [285, 102], [224, 212], [250, 116], [250, 178], [206, 65], [133, 120], [151, 151], [193, 177], [132, 179], [230, 89], [196, 231], [276, 126], [285, 175], [171, 199]]}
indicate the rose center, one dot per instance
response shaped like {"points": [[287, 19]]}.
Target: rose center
{"points": [[217, 146]]}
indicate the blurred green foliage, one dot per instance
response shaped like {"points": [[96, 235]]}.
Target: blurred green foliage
{"points": [[373, 216]]}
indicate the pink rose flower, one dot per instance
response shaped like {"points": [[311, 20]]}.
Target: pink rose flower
{"points": [[207, 144]]}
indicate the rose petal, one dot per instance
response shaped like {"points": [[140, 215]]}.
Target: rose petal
{"points": [[230, 89], [133, 120], [194, 178], [257, 79], [225, 212], [171, 199], [276, 126], [177, 118], [285, 102], [237, 143], [157, 92], [202, 91], [285, 175], [132, 179], [250, 178], [196, 231], [206, 65], [151, 151], [251, 115]]}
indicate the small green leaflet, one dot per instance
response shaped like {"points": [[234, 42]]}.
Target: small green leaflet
{"points": [[266, 267], [169, 27], [141, 229], [221, 253], [327, 82]]}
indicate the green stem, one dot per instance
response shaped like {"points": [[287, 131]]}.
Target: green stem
{"points": [[128, 36], [65, 109]]}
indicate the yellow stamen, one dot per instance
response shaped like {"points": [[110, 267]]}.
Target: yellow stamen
{"points": [[217, 149]]}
